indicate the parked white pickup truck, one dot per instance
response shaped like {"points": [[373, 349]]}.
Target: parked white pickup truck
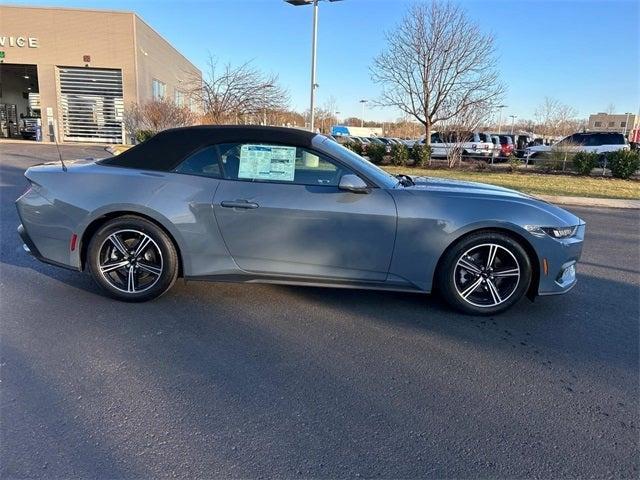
{"points": [[471, 144]]}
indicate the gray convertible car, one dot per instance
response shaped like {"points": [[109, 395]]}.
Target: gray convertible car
{"points": [[277, 205]]}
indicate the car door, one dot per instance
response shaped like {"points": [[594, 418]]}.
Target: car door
{"points": [[280, 212]]}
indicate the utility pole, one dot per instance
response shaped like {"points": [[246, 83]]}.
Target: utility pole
{"points": [[500, 107], [363, 102]]}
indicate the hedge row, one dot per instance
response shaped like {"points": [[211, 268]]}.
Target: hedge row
{"points": [[622, 163]]}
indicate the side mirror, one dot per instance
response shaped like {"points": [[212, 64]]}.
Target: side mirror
{"points": [[353, 183]]}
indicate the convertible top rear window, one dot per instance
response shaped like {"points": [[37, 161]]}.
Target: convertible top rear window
{"points": [[166, 150]]}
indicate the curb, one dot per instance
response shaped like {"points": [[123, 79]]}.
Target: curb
{"points": [[591, 202]]}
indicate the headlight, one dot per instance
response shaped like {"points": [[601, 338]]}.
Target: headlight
{"points": [[555, 232]]}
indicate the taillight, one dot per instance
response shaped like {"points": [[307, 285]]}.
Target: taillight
{"points": [[73, 242]]}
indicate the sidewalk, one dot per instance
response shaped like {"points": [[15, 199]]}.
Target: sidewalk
{"points": [[591, 202]]}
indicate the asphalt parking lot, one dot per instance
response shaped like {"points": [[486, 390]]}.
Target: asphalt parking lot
{"points": [[226, 380]]}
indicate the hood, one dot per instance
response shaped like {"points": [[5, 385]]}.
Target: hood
{"points": [[461, 186], [483, 190], [539, 148]]}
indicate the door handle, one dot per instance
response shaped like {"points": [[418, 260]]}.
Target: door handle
{"points": [[238, 204]]}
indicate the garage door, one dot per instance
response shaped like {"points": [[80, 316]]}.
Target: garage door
{"points": [[91, 104]]}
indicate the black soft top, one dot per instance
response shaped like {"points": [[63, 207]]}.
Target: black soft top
{"points": [[166, 150]]}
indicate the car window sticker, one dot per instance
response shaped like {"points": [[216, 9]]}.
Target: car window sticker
{"points": [[267, 162]]}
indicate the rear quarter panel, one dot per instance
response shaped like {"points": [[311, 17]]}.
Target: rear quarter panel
{"points": [[63, 203]]}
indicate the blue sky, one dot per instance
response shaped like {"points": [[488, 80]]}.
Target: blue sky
{"points": [[584, 53]]}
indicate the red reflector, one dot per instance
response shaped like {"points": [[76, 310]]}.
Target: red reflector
{"points": [[73, 242]]}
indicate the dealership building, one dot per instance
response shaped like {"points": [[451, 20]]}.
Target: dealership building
{"points": [[74, 72]]}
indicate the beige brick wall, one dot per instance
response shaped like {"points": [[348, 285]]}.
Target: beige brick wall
{"points": [[112, 40], [603, 122], [65, 36], [157, 59]]}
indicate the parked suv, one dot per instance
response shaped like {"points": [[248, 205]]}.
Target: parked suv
{"points": [[506, 146], [593, 142]]}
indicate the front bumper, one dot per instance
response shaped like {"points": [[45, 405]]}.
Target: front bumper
{"points": [[558, 262]]}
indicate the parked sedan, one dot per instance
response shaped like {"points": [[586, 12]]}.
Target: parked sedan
{"points": [[277, 205]]}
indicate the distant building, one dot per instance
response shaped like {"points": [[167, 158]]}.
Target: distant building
{"points": [[75, 71], [619, 122]]}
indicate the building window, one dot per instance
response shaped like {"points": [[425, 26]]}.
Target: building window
{"points": [[193, 105], [597, 124], [611, 124], [159, 89], [178, 97], [623, 124]]}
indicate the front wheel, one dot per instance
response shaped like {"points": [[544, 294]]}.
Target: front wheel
{"points": [[132, 259], [484, 273]]}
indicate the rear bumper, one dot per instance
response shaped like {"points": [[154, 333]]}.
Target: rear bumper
{"points": [[30, 248], [28, 244]]}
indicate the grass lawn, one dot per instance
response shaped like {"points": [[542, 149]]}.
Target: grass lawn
{"points": [[537, 183]]}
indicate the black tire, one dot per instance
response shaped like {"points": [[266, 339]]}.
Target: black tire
{"points": [[153, 271], [454, 279]]}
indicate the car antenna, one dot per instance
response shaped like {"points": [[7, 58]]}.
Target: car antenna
{"points": [[55, 139]]}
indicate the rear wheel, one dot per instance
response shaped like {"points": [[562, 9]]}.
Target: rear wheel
{"points": [[132, 259], [484, 273]]}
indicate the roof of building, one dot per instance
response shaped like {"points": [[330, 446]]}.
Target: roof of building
{"points": [[166, 150]]}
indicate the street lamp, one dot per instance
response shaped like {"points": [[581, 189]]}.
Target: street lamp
{"points": [[513, 121], [500, 107], [363, 102], [314, 48]]}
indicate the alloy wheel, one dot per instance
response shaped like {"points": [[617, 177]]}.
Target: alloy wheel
{"points": [[130, 261], [486, 275]]}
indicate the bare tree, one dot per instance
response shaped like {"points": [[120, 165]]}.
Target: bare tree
{"points": [[437, 65], [404, 128], [157, 115], [611, 109], [326, 115], [457, 130], [239, 94], [556, 118]]}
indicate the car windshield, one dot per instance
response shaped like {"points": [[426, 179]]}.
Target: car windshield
{"points": [[377, 174]]}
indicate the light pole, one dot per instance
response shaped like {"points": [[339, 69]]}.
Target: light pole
{"points": [[363, 102], [500, 107], [513, 121], [314, 49]]}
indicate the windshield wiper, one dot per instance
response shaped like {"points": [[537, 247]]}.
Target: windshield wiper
{"points": [[405, 180]]}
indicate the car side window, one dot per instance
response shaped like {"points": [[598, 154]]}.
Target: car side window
{"points": [[595, 140], [204, 162], [260, 162]]}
